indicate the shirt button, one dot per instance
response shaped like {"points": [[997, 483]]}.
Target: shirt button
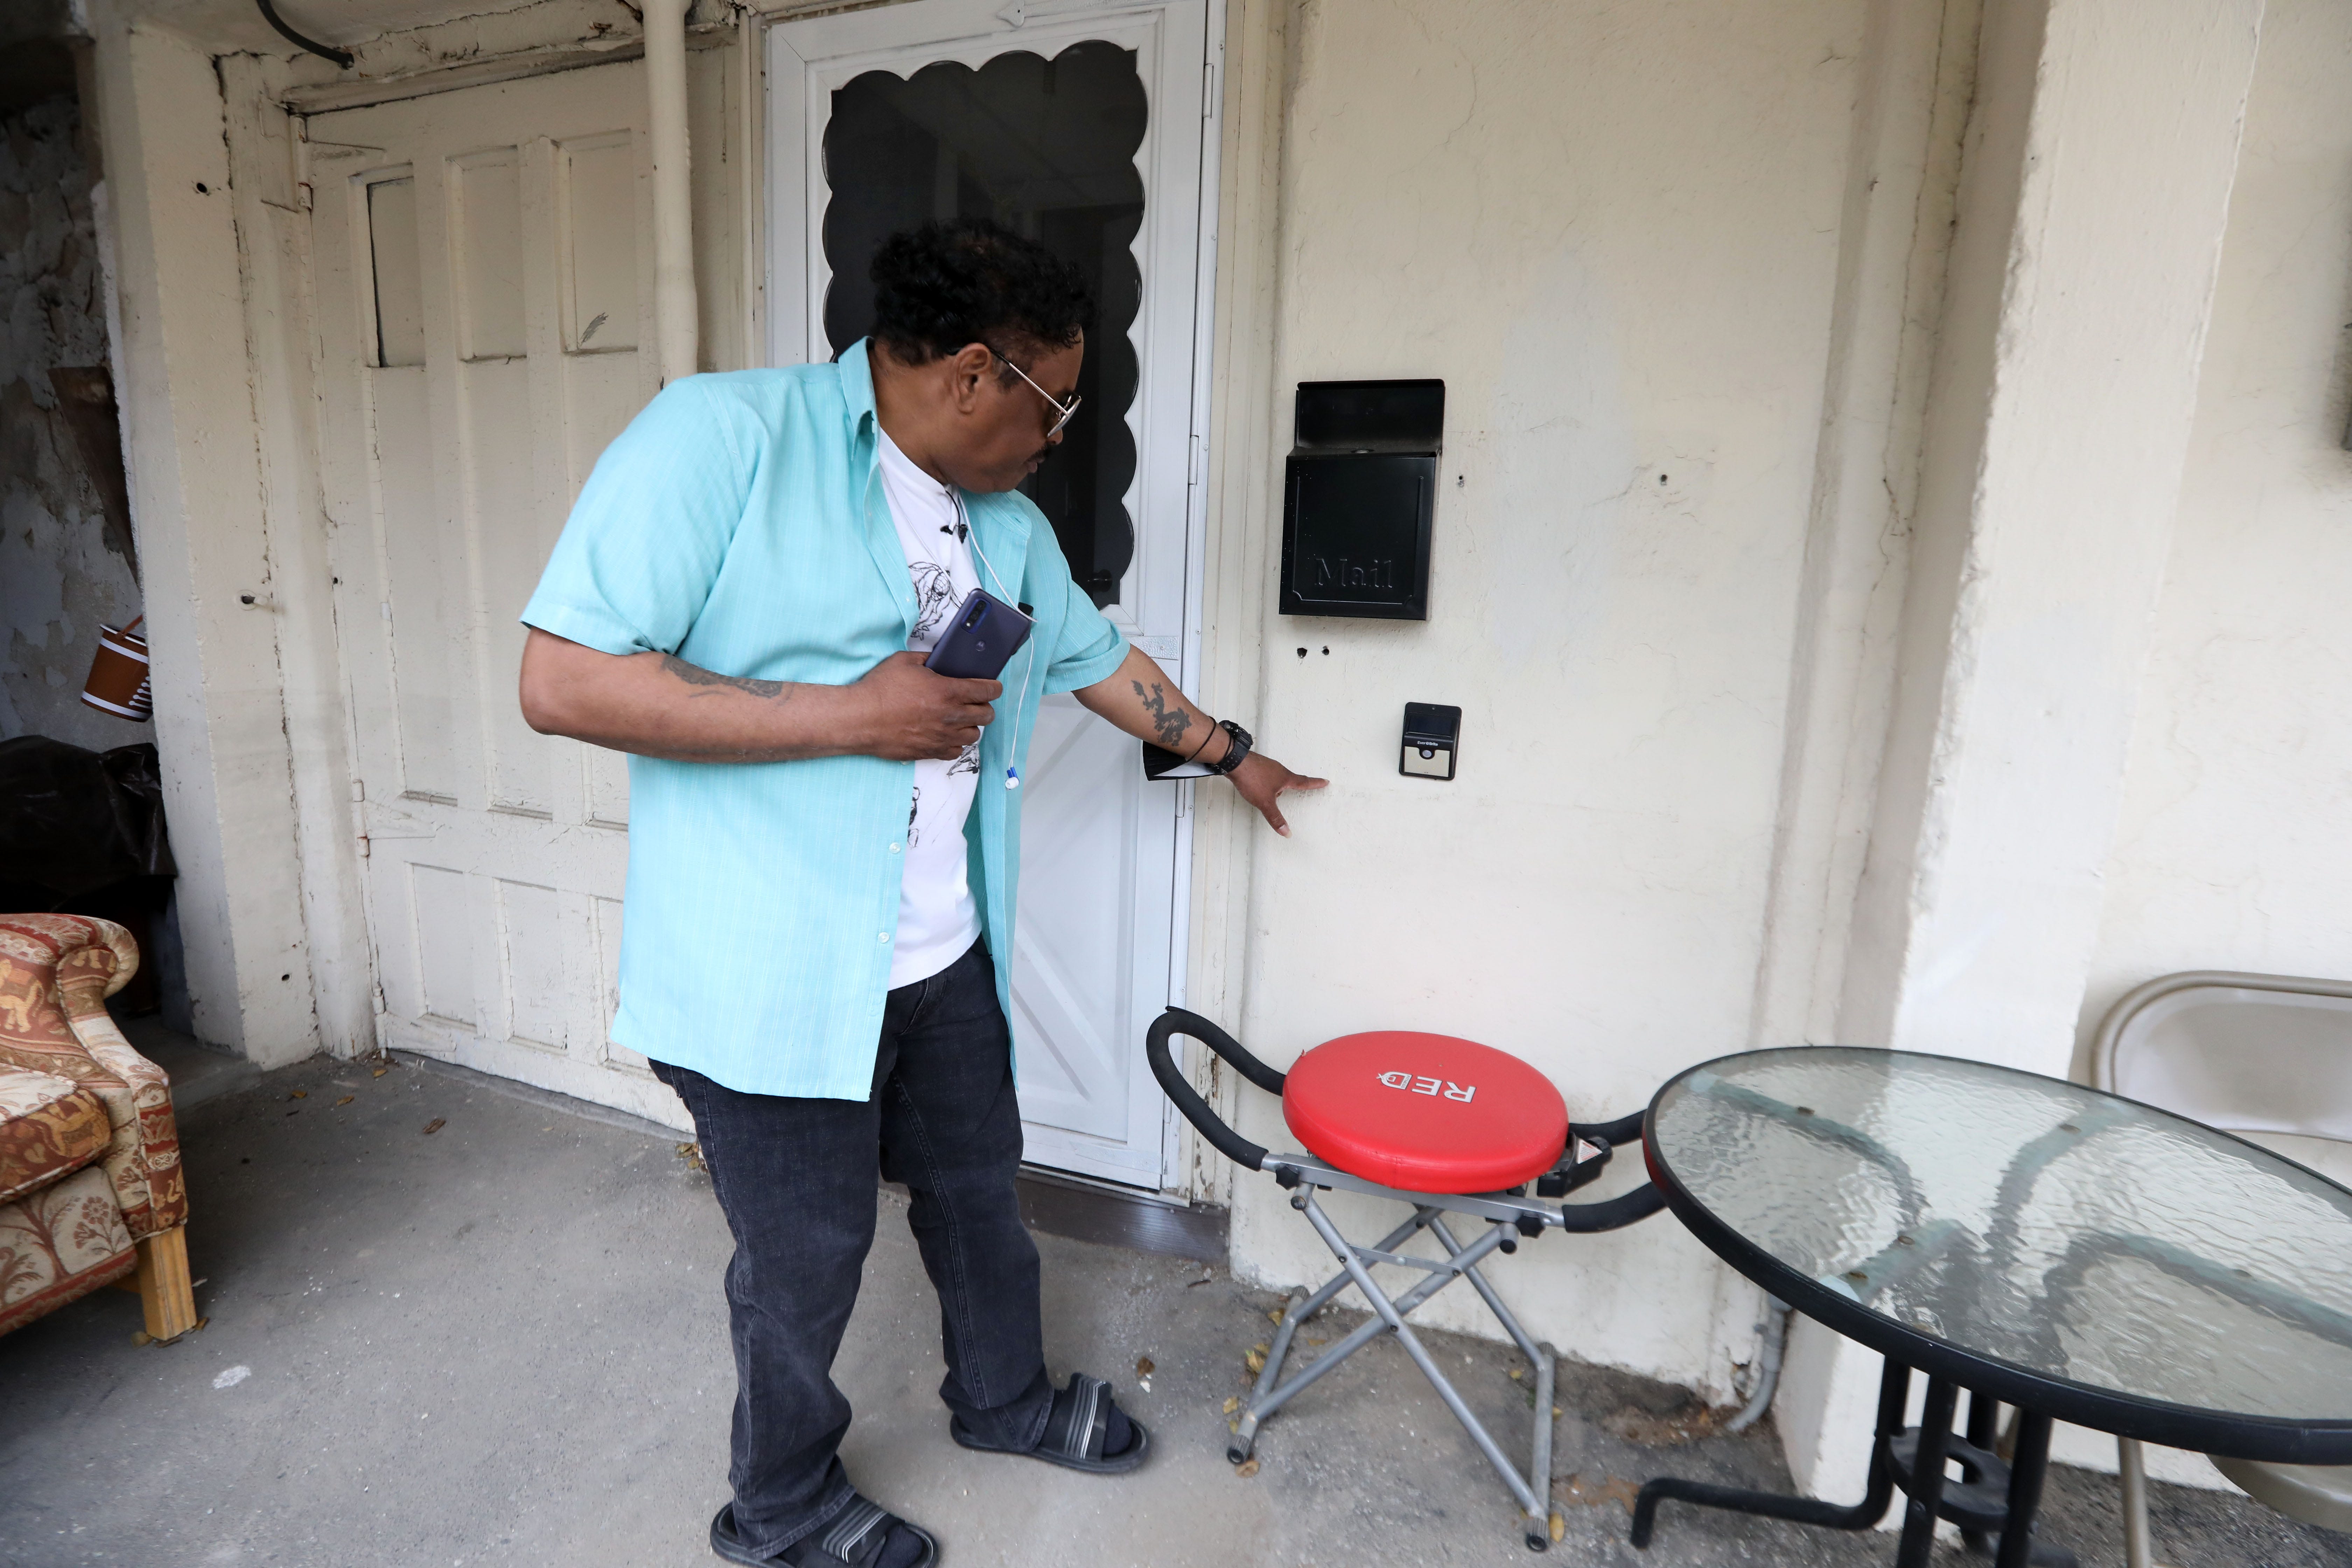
{"points": [[882, 935], [894, 849]]}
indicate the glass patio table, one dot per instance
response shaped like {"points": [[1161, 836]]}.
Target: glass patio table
{"points": [[2072, 1253]]}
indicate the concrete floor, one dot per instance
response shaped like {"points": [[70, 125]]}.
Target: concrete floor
{"points": [[502, 1341]]}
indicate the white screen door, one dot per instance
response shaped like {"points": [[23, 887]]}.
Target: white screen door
{"points": [[1081, 126], [483, 284]]}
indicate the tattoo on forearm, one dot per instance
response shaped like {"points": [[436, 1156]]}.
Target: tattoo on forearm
{"points": [[1169, 723], [694, 675]]}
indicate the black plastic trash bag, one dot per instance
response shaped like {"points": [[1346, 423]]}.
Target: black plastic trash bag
{"points": [[74, 821]]}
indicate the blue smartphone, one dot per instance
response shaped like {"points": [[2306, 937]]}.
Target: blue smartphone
{"points": [[981, 639]]}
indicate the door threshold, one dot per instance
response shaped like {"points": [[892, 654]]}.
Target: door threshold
{"points": [[1062, 1204]]}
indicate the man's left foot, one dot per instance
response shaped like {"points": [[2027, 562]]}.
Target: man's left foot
{"points": [[1085, 1431], [862, 1535]]}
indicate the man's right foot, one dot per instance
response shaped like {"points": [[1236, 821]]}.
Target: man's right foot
{"points": [[1086, 1430], [860, 1536]]}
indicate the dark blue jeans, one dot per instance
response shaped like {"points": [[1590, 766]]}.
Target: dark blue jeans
{"points": [[796, 1179]]}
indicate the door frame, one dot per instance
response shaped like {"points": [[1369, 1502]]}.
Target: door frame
{"points": [[789, 313]]}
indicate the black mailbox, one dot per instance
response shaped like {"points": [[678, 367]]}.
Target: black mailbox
{"points": [[1358, 493]]}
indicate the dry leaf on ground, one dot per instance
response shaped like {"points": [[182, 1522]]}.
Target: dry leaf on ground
{"points": [[1232, 1403], [346, 1099], [1591, 1494], [436, 1125], [1247, 1468], [1143, 1367], [299, 1094]]}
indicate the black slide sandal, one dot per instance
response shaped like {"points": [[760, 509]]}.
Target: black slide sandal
{"points": [[1075, 1432], [855, 1538]]}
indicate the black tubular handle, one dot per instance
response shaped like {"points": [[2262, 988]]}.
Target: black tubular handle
{"points": [[1627, 1208], [1177, 1021], [1617, 1135], [1225, 1046]]}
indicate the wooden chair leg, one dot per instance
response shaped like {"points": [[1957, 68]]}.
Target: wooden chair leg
{"points": [[164, 1286]]}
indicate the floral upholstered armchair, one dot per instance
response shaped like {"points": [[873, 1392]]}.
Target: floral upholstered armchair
{"points": [[89, 1153]]}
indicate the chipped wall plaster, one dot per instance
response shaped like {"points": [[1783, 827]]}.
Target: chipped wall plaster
{"points": [[60, 575]]}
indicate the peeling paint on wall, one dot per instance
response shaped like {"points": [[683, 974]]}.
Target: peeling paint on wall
{"points": [[60, 576]]}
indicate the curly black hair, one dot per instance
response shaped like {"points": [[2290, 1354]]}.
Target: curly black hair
{"points": [[944, 285]]}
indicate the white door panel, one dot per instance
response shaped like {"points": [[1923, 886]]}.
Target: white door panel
{"points": [[1098, 951], [1091, 951], [480, 263]]}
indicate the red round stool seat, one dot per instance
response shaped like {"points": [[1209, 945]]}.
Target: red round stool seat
{"points": [[1430, 1113]]}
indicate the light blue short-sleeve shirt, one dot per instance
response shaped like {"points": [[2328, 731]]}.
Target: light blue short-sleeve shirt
{"points": [[739, 523]]}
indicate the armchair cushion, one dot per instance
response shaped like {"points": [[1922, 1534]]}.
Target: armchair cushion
{"points": [[49, 1126], [61, 1242], [56, 972]]}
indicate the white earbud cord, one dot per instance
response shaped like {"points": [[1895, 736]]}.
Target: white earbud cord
{"points": [[971, 536]]}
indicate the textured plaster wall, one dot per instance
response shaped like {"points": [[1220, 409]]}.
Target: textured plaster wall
{"points": [[2235, 846], [60, 575], [2232, 850], [1613, 231]]}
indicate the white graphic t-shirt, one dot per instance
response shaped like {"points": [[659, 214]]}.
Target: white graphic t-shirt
{"points": [[938, 920]]}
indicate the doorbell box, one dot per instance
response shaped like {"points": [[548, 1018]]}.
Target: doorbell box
{"points": [[1432, 731]]}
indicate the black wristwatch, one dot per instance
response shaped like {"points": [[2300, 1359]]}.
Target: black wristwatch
{"points": [[1235, 753]]}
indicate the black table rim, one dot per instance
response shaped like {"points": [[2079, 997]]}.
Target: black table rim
{"points": [[2278, 1439]]}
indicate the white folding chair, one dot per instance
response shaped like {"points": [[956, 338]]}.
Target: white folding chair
{"points": [[2268, 1057]]}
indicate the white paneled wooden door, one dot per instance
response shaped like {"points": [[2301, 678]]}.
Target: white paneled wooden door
{"points": [[483, 272], [1087, 126]]}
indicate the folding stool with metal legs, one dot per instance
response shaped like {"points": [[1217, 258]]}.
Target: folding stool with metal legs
{"points": [[1445, 1125]]}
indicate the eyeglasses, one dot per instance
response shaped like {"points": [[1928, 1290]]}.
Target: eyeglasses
{"points": [[1067, 410]]}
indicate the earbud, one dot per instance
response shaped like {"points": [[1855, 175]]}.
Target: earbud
{"points": [[963, 532]]}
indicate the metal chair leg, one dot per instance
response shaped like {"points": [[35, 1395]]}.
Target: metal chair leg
{"points": [[1541, 1359], [1536, 1508], [2131, 1469], [1540, 1463], [1264, 1402], [1264, 1399]]}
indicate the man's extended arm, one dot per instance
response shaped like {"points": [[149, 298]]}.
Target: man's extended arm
{"points": [[657, 705], [1140, 698]]}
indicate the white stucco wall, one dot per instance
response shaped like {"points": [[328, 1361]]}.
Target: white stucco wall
{"points": [[2231, 851], [1613, 233], [2235, 846]]}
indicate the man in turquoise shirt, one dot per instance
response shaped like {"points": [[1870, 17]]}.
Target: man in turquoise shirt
{"points": [[825, 837]]}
